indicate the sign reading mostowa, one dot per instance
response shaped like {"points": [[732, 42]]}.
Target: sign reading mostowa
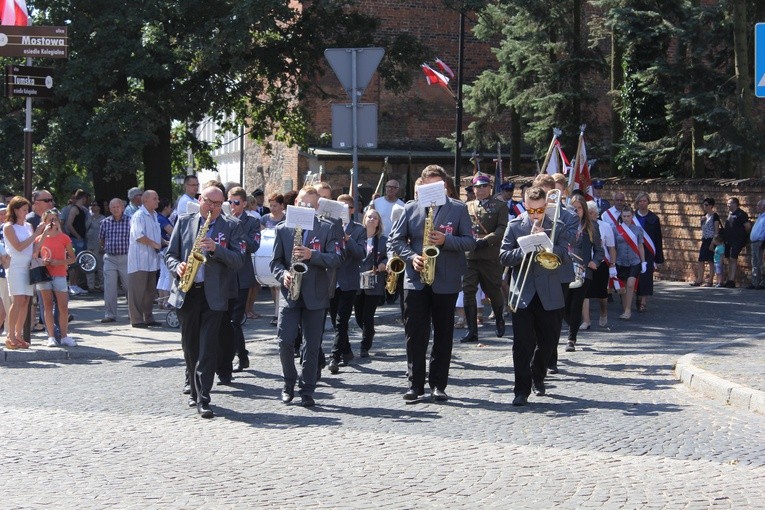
{"points": [[34, 42]]}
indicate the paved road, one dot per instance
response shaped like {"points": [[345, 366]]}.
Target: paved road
{"points": [[617, 430]]}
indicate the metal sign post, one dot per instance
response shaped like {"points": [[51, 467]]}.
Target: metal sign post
{"points": [[354, 68], [759, 60]]}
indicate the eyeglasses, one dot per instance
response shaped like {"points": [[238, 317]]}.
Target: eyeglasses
{"points": [[480, 186], [235, 202], [46, 200], [539, 210], [212, 203]]}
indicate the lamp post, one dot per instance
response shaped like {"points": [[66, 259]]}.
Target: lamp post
{"points": [[458, 130]]}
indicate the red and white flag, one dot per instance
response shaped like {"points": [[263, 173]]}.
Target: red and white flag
{"points": [[558, 161], [444, 68], [580, 177], [14, 12], [434, 77]]}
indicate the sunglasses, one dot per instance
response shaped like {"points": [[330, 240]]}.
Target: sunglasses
{"points": [[540, 210], [235, 202], [46, 200]]}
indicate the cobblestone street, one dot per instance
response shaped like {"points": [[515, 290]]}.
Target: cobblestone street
{"points": [[616, 430]]}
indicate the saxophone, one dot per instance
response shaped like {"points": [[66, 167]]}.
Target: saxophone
{"points": [[395, 267], [196, 257], [297, 268], [430, 252]]}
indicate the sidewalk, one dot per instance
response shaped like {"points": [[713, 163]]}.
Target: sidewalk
{"points": [[730, 371]]}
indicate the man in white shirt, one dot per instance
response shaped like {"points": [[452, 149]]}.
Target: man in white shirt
{"points": [[190, 192], [387, 204], [143, 261]]}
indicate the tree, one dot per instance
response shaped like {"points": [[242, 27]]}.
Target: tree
{"points": [[135, 68]]}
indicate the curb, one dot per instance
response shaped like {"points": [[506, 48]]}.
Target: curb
{"points": [[715, 387]]}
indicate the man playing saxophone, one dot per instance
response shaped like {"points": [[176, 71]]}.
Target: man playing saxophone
{"points": [[537, 293], [431, 304], [319, 249], [203, 307]]}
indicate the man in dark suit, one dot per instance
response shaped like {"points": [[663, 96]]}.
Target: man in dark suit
{"points": [[320, 249], [536, 323], [232, 336], [259, 199], [489, 217], [202, 309], [426, 305], [341, 304]]}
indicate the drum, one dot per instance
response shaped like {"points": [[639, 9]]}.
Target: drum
{"points": [[367, 280], [261, 259]]}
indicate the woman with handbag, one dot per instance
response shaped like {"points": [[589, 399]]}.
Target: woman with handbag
{"points": [[19, 238], [55, 250]]}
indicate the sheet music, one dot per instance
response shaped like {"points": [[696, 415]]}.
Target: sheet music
{"points": [[431, 194], [534, 242], [333, 209], [300, 217]]}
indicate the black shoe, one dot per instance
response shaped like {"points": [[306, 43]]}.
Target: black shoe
{"points": [[334, 366], [224, 380], [348, 357], [413, 395], [153, 324], [192, 402], [187, 389], [307, 401], [108, 319], [205, 411], [520, 400], [364, 353], [571, 347], [274, 321], [242, 364], [538, 388], [730, 284], [469, 338], [500, 326], [288, 393], [553, 369], [142, 325], [70, 318], [439, 395]]}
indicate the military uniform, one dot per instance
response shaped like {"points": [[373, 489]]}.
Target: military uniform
{"points": [[489, 219]]}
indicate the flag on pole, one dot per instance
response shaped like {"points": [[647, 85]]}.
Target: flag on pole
{"points": [[14, 12], [434, 77], [580, 176], [558, 162], [444, 68]]}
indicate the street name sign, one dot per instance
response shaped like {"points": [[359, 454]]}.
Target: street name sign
{"points": [[28, 81], [759, 60], [34, 42]]}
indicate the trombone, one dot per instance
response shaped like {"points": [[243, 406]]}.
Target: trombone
{"points": [[543, 256]]}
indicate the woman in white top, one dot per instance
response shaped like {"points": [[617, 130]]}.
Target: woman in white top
{"points": [[19, 240]]}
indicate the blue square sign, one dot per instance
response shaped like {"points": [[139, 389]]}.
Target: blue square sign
{"points": [[759, 60]]}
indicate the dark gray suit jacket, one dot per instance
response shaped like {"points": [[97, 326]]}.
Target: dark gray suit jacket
{"points": [[227, 258], [543, 282], [326, 253], [353, 253], [251, 230], [406, 238]]}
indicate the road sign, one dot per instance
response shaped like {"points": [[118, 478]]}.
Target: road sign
{"points": [[27, 81], [367, 60], [342, 126], [34, 42], [759, 60]]}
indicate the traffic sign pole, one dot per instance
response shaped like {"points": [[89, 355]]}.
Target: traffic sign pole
{"points": [[355, 103], [759, 60]]}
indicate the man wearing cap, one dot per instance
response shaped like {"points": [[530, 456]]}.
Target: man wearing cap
{"points": [[514, 209], [135, 199], [469, 194], [489, 219], [259, 198], [597, 190]]}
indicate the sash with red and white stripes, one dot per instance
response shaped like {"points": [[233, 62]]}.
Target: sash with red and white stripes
{"points": [[519, 209], [610, 216], [629, 237], [647, 241]]}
